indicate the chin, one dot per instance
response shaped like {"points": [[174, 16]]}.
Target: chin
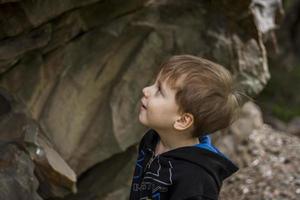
{"points": [[141, 120]]}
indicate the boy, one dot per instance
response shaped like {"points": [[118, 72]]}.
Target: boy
{"points": [[190, 98]]}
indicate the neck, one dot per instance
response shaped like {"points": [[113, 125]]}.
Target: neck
{"points": [[172, 140]]}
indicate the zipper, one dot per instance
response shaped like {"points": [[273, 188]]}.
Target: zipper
{"points": [[153, 157]]}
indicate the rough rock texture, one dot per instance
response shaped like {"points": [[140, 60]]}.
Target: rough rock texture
{"points": [[29, 155], [281, 98], [16, 174], [79, 66], [269, 160], [101, 183], [293, 126]]}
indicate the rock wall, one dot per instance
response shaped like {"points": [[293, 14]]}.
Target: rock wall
{"points": [[280, 98], [79, 67]]}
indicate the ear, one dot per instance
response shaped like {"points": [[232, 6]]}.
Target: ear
{"points": [[185, 121]]}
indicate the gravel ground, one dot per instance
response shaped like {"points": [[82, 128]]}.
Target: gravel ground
{"points": [[274, 170]]}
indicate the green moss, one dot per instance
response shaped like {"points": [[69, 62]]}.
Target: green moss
{"points": [[281, 96], [285, 112]]}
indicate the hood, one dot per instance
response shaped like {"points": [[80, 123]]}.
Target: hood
{"points": [[204, 155]]}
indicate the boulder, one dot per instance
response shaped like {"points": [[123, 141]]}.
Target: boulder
{"points": [[30, 157], [18, 181], [293, 126], [268, 159]]}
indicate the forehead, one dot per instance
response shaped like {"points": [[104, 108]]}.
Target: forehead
{"points": [[170, 79]]}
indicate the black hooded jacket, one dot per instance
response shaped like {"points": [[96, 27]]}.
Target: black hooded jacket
{"points": [[185, 173]]}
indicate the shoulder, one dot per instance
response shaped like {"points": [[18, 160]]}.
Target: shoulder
{"points": [[193, 182], [191, 173]]}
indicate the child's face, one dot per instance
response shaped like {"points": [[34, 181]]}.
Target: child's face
{"points": [[159, 109]]}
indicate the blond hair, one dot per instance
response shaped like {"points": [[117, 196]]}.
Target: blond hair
{"points": [[204, 89]]}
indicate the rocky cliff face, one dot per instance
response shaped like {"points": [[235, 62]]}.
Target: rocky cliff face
{"points": [[280, 97], [79, 66]]}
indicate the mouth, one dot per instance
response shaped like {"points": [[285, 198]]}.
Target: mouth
{"points": [[143, 105]]}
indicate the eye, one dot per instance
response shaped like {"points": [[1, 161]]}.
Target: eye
{"points": [[159, 89]]}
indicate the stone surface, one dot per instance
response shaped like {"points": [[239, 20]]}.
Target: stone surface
{"points": [[8, 1], [275, 123], [265, 14], [17, 174], [18, 130], [25, 85], [104, 12], [64, 29], [13, 20], [56, 178], [114, 183], [88, 117], [280, 98], [14, 47], [7, 64], [269, 162], [40, 11], [293, 126]]}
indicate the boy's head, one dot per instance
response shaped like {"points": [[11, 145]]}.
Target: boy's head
{"points": [[190, 93]]}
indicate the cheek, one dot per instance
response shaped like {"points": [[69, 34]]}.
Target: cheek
{"points": [[155, 107], [160, 111]]}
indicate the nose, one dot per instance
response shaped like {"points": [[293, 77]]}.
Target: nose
{"points": [[146, 91]]}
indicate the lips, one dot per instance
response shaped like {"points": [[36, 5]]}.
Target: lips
{"points": [[143, 104]]}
